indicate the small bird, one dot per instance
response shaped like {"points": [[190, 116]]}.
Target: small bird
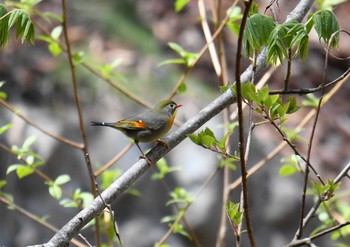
{"points": [[147, 126]]}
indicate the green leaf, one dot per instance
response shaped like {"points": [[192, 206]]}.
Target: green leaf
{"points": [[194, 138], [234, 213], [62, 179], [2, 184], [55, 191], [224, 88], [78, 58], [180, 4], [326, 24], [257, 32], [188, 57], [4, 34], [172, 61], [178, 228], [82, 198], [182, 88], [109, 176], [293, 105], [15, 15], [12, 168], [28, 142], [55, 49], [30, 159], [5, 128], [208, 141], [287, 170], [271, 100], [263, 94], [249, 92], [56, 32], [163, 170], [235, 15], [277, 50], [311, 100], [179, 195], [229, 162], [68, 203], [23, 171], [24, 25]]}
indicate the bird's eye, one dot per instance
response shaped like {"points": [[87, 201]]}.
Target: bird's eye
{"points": [[172, 106]]}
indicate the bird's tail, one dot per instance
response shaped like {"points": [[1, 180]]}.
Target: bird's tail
{"points": [[102, 124]]}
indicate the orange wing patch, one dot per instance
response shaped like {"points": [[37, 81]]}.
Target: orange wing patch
{"points": [[140, 124]]}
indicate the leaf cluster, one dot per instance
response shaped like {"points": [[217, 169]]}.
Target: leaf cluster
{"points": [[79, 199], [292, 36], [32, 159], [22, 22], [187, 57], [163, 170], [207, 139], [272, 105], [234, 213]]}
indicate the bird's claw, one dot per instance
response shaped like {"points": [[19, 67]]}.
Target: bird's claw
{"points": [[149, 162], [164, 144]]}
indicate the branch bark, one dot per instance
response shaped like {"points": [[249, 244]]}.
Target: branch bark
{"points": [[68, 231]]}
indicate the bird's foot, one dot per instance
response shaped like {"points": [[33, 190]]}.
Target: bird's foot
{"points": [[164, 144], [148, 160]]}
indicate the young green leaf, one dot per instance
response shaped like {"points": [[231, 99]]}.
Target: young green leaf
{"points": [[180, 4], [249, 92], [5, 128], [23, 171], [62, 179], [257, 32], [326, 24], [182, 88], [187, 57], [263, 94], [235, 15], [55, 190], [311, 100], [234, 213], [4, 34], [287, 170], [163, 170]]}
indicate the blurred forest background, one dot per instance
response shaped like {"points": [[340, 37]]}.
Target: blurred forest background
{"points": [[133, 36]]}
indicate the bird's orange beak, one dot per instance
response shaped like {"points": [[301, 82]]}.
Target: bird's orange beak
{"points": [[178, 105]]}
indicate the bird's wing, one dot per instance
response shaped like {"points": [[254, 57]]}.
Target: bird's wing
{"points": [[131, 124]]}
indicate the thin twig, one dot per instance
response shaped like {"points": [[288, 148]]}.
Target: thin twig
{"points": [[292, 146], [311, 90], [45, 131], [85, 149], [241, 127], [313, 130], [307, 241], [289, 69]]}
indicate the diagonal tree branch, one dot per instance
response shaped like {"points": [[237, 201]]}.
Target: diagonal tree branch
{"points": [[72, 228]]}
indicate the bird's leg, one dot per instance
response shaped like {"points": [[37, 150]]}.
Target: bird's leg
{"points": [[164, 144], [143, 154]]}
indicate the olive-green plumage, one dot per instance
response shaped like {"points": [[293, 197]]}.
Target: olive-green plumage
{"points": [[147, 126]]}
